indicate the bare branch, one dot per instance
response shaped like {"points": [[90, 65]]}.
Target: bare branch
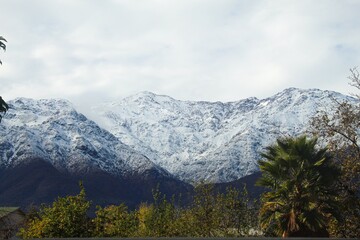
{"points": [[355, 79]]}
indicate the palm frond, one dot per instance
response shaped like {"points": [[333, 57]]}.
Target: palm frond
{"points": [[302, 180]]}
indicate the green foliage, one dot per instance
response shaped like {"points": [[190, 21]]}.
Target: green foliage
{"points": [[114, 221], [158, 219], [144, 215], [206, 217], [2, 44], [302, 180], [211, 214], [3, 107], [65, 218], [238, 214], [231, 214]]}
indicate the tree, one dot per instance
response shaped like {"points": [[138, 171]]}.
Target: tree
{"points": [[2, 44], [65, 218], [159, 218], [206, 218], [301, 179], [114, 221], [237, 213], [216, 214], [340, 128], [3, 107], [145, 214]]}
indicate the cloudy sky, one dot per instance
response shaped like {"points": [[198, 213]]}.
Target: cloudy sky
{"points": [[91, 51]]}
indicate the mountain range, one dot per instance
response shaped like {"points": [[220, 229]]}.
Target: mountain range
{"points": [[141, 142], [210, 141]]}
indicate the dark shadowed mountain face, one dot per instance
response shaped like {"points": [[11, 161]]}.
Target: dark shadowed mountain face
{"points": [[37, 181], [249, 182], [34, 182]]}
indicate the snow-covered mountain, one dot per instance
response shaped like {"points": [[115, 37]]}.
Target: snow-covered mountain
{"points": [[191, 141], [52, 130], [211, 141]]}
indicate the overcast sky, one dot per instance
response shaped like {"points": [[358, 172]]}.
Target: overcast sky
{"points": [[90, 51]]}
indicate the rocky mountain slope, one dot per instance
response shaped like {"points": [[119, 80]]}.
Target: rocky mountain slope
{"points": [[157, 135], [46, 147], [211, 141], [55, 131]]}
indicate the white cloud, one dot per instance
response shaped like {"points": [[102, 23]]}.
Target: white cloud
{"points": [[196, 50]]}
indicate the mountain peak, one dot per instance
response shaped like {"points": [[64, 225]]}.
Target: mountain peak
{"points": [[145, 94], [53, 130], [199, 140], [148, 97]]}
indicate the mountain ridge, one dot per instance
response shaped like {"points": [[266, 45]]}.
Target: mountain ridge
{"points": [[54, 130], [46, 147], [210, 141], [189, 140]]}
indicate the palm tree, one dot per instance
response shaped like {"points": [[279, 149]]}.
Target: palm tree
{"points": [[302, 196], [2, 44], [3, 107]]}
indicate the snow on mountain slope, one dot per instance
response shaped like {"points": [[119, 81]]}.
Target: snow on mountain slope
{"points": [[210, 141], [194, 141], [54, 131]]}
